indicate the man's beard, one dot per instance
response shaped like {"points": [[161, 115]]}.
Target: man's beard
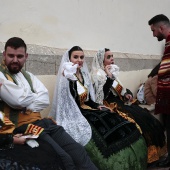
{"points": [[13, 69], [160, 37]]}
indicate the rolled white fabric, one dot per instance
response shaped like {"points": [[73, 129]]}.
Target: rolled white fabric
{"points": [[114, 70], [69, 70]]}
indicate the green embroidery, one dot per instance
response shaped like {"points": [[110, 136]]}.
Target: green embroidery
{"points": [[28, 78], [6, 72]]}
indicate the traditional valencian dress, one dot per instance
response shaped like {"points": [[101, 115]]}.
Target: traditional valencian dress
{"points": [[116, 141], [115, 136], [110, 91]]}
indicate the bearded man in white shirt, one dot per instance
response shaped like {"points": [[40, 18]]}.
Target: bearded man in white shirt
{"points": [[23, 96]]}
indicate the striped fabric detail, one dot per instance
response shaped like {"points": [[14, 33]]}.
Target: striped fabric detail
{"points": [[165, 65], [4, 120], [33, 129], [163, 89], [117, 88], [164, 69], [7, 122], [6, 126]]}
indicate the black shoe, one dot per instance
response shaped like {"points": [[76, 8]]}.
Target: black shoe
{"points": [[164, 163], [152, 165]]}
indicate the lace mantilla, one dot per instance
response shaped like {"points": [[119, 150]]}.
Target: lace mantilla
{"points": [[64, 108]]}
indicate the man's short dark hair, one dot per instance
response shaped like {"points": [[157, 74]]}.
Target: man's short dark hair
{"points": [[15, 42], [158, 18], [107, 49]]}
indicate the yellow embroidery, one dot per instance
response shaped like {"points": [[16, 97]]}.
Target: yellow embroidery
{"points": [[113, 107], [33, 129]]}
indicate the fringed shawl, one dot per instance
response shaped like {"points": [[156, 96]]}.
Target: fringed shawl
{"points": [[163, 90]]}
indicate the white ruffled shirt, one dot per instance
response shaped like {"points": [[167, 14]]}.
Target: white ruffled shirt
{"points": [[20, 96]]}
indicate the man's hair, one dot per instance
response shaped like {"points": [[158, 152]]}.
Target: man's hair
{"points": [[15, 42], [107, 49], [159, 18]]}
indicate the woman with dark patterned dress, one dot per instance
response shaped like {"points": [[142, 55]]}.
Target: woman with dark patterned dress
{"points": [[110, 91], [112, 139]]}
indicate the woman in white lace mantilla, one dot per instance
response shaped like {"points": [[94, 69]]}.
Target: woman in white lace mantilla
{"points": [[64, 108], [108, 136], [110, 91]]}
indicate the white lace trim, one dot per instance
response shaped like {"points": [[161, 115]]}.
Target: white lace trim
{"points": [[65, 110]]}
